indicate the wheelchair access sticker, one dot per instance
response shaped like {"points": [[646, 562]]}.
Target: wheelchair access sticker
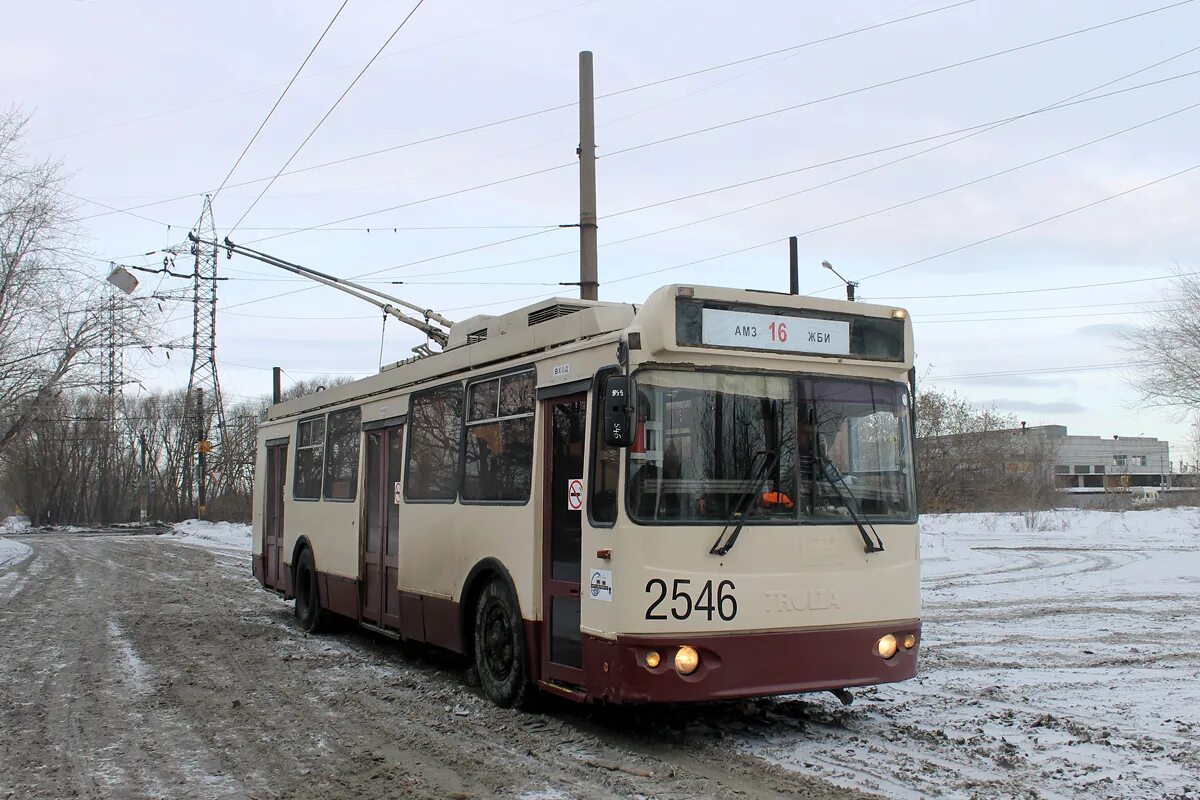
{"points": [[600, 585]]}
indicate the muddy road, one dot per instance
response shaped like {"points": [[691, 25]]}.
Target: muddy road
{"points": [[136, 666]]}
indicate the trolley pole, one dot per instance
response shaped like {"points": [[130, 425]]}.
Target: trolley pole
{"points": [[202, 456], [588, 283]]}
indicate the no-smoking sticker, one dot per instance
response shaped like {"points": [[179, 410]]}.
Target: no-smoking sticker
{"points": [[575, 494]]}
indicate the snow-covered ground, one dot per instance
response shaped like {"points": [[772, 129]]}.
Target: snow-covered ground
{"points": [[12, 552], [225, 536], [1060, 658]]}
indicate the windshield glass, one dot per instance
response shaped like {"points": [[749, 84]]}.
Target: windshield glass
{"points": [[863, 431], [711, 446]]}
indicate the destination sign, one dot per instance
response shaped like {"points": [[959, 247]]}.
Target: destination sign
{"points": [[747, 329]]}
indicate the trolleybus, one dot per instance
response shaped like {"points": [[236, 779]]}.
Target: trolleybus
{"points": [[707, 496]]}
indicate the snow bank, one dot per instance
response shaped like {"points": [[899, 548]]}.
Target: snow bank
{"points": [[1059, 659], [226, 536], [14, 525], [12, 553]]}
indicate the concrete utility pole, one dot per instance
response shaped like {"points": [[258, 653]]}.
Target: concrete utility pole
{"points": [[145, 504], [793, 265], [588, 282]]}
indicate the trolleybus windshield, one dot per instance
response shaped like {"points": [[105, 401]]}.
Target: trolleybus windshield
{"points": [[699, 433]]}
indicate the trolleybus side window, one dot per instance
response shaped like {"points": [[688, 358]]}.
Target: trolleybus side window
{"points": [[310, 451], [498, 462], [341, 454], [604, 487], [436, 416]]}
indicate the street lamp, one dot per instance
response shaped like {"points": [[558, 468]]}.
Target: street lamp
{"points": [[850, 285], [123, 279]]}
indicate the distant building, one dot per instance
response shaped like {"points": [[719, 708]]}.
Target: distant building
{"points": [[1096, 463], [1047, 455]]}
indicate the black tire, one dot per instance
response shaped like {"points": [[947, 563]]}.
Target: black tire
{"points": [[500, 656], [309, 613]]}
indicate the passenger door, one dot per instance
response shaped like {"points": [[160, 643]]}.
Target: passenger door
{"points": [[380, 594], [562, 503], [273, 571]]}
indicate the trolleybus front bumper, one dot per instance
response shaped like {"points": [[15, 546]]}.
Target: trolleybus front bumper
{"points": [[640, 669]]}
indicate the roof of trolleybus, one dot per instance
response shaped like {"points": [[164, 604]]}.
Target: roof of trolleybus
{"points": [[740, 329]]}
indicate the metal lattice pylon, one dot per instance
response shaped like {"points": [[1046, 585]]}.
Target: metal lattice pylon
{"points": [[203, 377]]}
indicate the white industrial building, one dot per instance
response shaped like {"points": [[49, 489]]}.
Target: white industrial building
{"points": [[1096, 463]]}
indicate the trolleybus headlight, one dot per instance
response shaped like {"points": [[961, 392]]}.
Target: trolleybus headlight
{"points": [[653, 659], [910, 641], [886, 646], [686, 660]]}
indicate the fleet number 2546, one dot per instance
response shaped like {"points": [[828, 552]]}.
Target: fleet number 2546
{"points": [[684, 602]]}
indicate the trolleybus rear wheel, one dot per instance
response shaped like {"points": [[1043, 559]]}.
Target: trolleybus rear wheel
{"points": [[500, 647], [309, 613]]}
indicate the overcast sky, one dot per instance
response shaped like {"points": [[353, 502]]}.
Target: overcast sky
{"points": [[146, 101]]}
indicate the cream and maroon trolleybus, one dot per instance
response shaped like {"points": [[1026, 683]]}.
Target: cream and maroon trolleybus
{"points": [[707, 496]]}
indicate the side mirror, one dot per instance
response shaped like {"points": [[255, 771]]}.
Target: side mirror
{"points": [[620, 392]]}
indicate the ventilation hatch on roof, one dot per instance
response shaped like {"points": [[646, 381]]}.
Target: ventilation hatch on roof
{"points": [[552, 312], [477, 336]]}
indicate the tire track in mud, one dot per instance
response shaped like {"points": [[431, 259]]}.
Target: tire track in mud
{"points": [[142, 667]]}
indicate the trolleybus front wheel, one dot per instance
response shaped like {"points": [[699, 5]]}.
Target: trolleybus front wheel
{"points": [[309, 613], [500, 647]]}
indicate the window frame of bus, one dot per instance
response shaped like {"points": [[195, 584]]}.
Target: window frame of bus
{"points": [[296, 459], [411, 440], [689, 331], [357, 437], [597, 433], [798, 518], [466, 423]]}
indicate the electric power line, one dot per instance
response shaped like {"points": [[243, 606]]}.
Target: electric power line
{"points": [[1089, 315], [893, 81], [751, 118], [329, 71], [1034, 371], [279, 100], [1042, 221], [336, 103], [942, 254], [978, 129], [974, 129], [1033, 291], [561, 106], [1073, 306]]}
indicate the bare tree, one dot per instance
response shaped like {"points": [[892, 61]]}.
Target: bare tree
{"points": [[972, 459], [1193, 441], [1166, 347], [55, 318]]}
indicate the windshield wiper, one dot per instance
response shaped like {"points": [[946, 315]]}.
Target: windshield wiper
{"points": [[829, 471], [754, 480]]}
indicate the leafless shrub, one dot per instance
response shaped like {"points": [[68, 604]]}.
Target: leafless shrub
{"points": [[971, 459]]}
